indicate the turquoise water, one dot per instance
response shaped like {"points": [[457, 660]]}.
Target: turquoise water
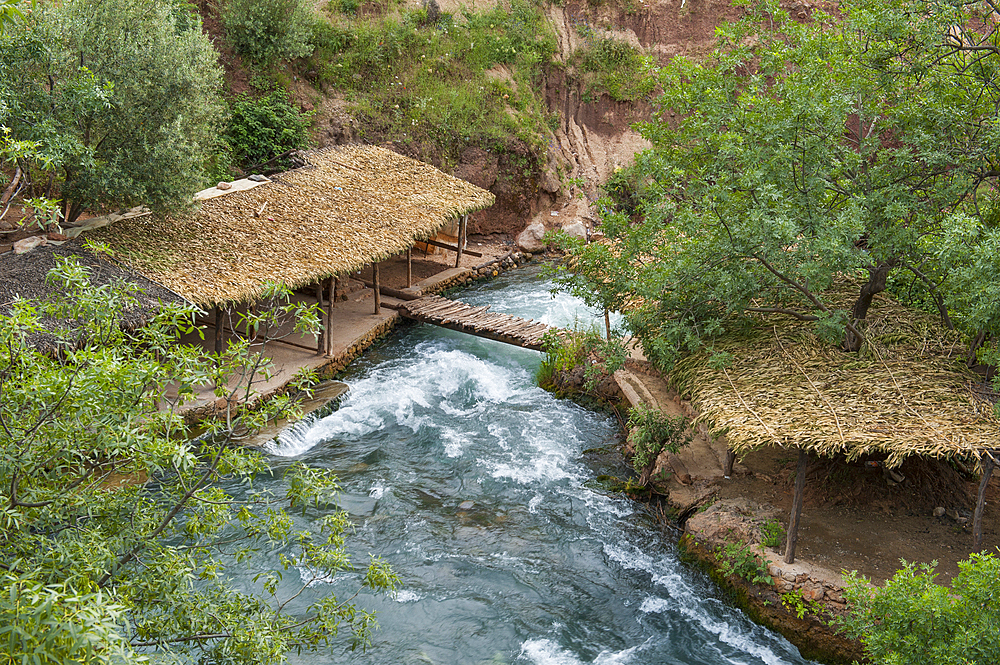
{"points": [[541, 567]]}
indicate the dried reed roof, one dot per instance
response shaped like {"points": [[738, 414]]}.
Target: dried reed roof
{"points": [[905, 393], [351, 206], [23, 276]]}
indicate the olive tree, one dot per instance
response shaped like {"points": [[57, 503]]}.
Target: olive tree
{"points": [[121, 96], [797, 157], [115, 531]]}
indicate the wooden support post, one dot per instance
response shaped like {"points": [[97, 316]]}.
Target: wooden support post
{"points": [[409, 266], [977, 519], [461, 239], [793, 522], [321, 337], [331, 288], [378, 294], [727, 468], [219, 330], [607, 324]]}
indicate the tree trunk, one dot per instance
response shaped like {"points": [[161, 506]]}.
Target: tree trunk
{"points": [[877, 276]]}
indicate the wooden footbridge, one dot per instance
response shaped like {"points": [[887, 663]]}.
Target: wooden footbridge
{"points": [[479, 321]]}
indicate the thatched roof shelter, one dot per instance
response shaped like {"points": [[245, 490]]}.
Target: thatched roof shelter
{"points": [[906, 392], [23, 276], [350, 206]]}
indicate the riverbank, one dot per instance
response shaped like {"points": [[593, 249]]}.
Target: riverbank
{"points": [[853, 518]]}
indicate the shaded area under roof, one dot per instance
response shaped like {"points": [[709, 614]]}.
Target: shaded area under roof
{"points": [[351, 206], [23, 276], [905, 393]]}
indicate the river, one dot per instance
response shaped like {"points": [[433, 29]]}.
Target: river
{"points": [[474, 484]]}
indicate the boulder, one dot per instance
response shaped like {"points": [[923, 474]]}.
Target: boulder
{"points": [[575, 229], [530, 239], [25, 245]]}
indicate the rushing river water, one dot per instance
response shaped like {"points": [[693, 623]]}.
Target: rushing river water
{"points": [[473, 483]]}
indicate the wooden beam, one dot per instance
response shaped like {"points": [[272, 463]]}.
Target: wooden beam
{"points": [[461, 239], [977, 519], [727, 468], [391, 292], [321, 337], [331, 288], [793, 522], [376, 289], [219, 331], [453, 248], [409, 266]]}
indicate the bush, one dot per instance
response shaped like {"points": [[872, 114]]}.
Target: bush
{"points": [[912, 620], [259, 129], [652, 432], [622, 70], [269, 30]]}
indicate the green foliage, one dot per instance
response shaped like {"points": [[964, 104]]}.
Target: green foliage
{"points": [[740, 560], [261, 128], [441, 84], [598, 356], [120, 98], [11, 11], [268, 30], [652, 432], [795, 603], [115, 529], [620, 69], [797, 154], [912, 620], [772, 533]]}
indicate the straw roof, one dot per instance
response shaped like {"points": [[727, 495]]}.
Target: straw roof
{"points": [[351, 206], [903, 394], [23, 276]]}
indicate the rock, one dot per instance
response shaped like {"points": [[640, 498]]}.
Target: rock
{"points": [[478, 167], [256, 177], [575, 229], [224, 186], [58, 237], [466, 505], [550, 182], [939, 511], [530, 239], [813, 591], [25, 245]]}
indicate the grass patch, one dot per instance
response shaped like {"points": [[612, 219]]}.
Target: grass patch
{"points": [[616, 67], [470, 79]]}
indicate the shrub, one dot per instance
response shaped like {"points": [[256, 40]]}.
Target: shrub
{"points": [[269, 30], [259, 129], [739, 560], [912, 620], [622, 70], [652, 432]]}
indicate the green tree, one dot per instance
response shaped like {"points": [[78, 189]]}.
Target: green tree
{"points": [[799, 153], [261, 129], [912, 620], [10, 12], [121, 96], [115, 533], [268, 30]]}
